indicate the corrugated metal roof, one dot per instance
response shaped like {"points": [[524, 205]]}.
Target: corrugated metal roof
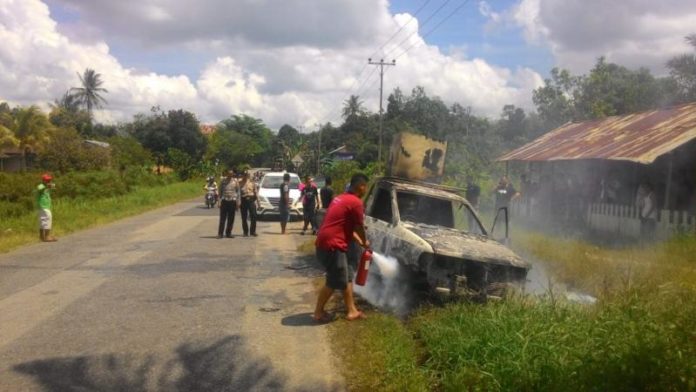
{"points": [[639, 137]]}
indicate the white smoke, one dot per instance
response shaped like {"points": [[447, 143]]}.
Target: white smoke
{"points": [[387, 286]]}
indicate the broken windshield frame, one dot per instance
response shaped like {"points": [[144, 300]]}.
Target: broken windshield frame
{"points": [[428, 210]]}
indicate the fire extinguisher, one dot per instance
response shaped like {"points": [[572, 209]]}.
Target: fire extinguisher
{"points": [[363, 267]]}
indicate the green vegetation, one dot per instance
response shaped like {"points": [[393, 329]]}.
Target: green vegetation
{"points": [[639, 335], [378, 354], [72, 214]]}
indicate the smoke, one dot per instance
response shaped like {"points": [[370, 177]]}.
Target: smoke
{"points": [[539, 283], [388, 286]]}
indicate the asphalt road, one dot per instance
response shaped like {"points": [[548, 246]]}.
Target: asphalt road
{"points": [[156, 303]]}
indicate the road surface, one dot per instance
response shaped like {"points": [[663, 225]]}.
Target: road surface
{"points": [[157, 303]]}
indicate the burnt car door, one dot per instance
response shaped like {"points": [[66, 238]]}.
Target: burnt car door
{"points": [[387, 233], [380, 218]]}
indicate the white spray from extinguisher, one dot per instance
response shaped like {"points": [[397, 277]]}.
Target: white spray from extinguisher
{"points": [[386, 286]]}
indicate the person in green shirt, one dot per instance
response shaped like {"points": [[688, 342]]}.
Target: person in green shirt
{"points": [[43, 201]]}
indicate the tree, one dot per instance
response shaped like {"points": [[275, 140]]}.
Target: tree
{"points": [[257, 137], [352, 109], [127, 152], [395, 105], [7, 136], [177, 129], [232, 148], [89, 95], [289, 136], [32, 128], [512, 125], [66, 151], [555, 101], [68, 101], [682, 69], [611, 90]]}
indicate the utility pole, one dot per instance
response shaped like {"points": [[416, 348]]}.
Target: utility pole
{"points": [[319, 151], [381, 64]]}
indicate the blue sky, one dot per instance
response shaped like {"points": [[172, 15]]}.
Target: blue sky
{"points": [[466, 29], [296, 61], [502, 46]]}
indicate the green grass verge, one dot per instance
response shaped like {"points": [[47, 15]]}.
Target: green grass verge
{"points": [[70, 215], [640, 335], [378, 354]]}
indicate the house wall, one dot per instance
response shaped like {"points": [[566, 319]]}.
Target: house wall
{"points": [[11, 164]]}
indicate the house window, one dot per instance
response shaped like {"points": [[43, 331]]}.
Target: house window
{"points": [[382, 206]]}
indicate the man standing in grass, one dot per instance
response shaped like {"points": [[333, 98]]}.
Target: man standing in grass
{"points": [[43, 201], [229, 204], [344, 222]]}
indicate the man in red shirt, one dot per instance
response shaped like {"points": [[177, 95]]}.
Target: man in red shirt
{"points": [[344, 222]]}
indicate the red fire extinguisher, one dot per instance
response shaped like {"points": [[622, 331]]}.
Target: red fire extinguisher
{"points": [[363, 267]]}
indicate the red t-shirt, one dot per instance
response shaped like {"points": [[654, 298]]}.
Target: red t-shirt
{"points": [[345, 213]]}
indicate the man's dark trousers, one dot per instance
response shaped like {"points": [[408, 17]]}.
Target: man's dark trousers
{"points": [[249, 210], [227, 212]]}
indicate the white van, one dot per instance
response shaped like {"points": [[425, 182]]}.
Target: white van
{"points": [[269, 194]]}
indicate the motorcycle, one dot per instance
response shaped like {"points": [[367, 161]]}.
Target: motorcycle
{"points": [[210, 197]]}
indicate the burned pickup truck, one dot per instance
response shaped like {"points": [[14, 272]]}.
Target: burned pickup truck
{"points": [[433, 232]]}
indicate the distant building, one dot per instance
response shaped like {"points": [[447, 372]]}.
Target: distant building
{"points": [[207, 129], [341, 154], [591, 170]]}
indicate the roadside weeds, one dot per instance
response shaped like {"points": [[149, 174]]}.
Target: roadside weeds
{"points": [[71, 215], [639, 335]]}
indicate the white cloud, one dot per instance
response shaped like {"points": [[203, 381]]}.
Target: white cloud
{"points": [[299, 79], [630, 32]]}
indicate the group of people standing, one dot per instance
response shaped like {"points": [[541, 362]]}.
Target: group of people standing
{"points": [[236, 193]]}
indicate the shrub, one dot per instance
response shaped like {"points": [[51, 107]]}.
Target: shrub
{"points": [[66, 151], [127, 152], [90, 185]]}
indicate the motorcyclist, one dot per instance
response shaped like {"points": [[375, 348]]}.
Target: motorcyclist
{"points": [[211, 186]]}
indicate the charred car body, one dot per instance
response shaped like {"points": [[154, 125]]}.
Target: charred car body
{"points": [[433, 232]]}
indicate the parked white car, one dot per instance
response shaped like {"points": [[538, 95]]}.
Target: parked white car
{"points": [[269, 194]]}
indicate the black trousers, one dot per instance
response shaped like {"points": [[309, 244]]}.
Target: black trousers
{"points": [[248, 211], [228, 208], [309, 214]]}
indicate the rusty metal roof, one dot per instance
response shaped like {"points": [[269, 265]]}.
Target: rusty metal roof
{"points": [[639, 137]]}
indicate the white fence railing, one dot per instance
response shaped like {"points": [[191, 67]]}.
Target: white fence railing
{"points": [[619, 219], [624, 220]]}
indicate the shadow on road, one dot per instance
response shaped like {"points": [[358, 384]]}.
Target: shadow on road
{"points": [[301, 320], [222, 365]]}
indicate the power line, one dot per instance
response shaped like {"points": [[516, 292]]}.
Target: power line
{"points": [[434, 28], [413, 17], [359, 90], [422, 25], [355, 81]]}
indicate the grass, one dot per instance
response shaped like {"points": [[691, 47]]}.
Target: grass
{"points": [[640, 335], [378, 354], [70, 215]]}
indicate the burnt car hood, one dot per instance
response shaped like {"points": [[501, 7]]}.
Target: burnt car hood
{"points": [[455, 243]]}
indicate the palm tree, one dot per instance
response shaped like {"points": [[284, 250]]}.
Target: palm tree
{"points": [[352, 108], [89, 94], [68, 101], [32, 129]]}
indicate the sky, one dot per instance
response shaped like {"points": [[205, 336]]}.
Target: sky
{"points": [[297, 61]]}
